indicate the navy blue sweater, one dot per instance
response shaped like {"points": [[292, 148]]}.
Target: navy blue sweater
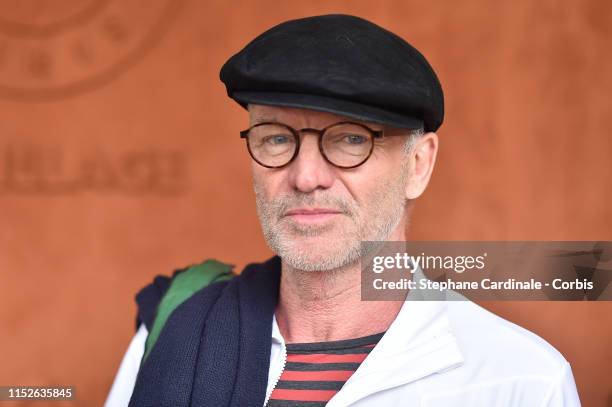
{"points": [[215, 348]]}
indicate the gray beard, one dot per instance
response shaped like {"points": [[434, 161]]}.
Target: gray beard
{"points": [[374, 222]]}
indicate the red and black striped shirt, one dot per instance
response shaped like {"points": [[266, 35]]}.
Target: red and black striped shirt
{"points": [[315, 371]]}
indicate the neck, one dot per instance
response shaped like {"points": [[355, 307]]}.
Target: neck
{"points": [[316, 306]]}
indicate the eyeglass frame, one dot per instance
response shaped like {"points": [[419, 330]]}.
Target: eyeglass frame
{"points": [[320, 132]]}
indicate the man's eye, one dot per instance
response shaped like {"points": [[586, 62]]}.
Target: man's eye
{"points": [[354, 139], [277, 139]]}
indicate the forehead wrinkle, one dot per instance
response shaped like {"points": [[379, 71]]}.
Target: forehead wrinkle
{"points": [[306, 118]]}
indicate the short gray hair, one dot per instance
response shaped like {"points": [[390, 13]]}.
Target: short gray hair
{"points": [[413, 136]]}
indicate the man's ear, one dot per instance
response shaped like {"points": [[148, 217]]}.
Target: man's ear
{"points": [[421, 158]]}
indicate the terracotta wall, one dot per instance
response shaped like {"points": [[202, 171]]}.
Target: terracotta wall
{"points": [[120, 159]]}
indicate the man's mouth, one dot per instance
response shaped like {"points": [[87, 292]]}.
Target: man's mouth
{"points": [[312, 215]]}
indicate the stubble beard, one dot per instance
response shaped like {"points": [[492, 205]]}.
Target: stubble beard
{"points": [[337, 243]]}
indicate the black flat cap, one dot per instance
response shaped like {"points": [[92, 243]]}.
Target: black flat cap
{"points": [[340, 64]]}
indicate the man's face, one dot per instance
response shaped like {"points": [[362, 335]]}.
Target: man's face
{"points": [[315, 215]]}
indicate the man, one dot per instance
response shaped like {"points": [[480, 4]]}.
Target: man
{"points": [[342, 139]]}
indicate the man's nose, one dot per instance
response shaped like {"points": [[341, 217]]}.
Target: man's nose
{"points": [[309, 170]]}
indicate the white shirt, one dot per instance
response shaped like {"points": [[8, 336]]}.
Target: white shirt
{"points": [[434, 354]]}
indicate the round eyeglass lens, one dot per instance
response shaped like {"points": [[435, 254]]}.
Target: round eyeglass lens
{"points": [[272, 145], [347, 144]]}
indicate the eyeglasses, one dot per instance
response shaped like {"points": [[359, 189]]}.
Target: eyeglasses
{"points": [[343, 144]]}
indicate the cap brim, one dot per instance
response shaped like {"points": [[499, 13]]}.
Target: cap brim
{"points": [[327, 104]]}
